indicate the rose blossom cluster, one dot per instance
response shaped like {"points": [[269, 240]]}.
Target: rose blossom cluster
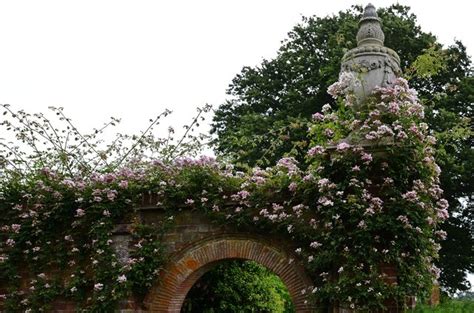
{"points": [[334, 203], [394, 119]]}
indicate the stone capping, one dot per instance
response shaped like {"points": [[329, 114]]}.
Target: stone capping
{"points": [[371, 50], [188, 265]]}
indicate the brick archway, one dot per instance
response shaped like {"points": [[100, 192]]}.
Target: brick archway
{"points": [[190, 264]]}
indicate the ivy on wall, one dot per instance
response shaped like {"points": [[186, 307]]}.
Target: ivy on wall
{"points": [[370, 197]]}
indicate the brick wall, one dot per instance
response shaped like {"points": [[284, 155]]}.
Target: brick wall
{"points": [[195, 244]]}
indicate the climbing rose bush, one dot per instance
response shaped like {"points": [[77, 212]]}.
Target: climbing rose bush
{"points": [[380, 201], [369, 200]]}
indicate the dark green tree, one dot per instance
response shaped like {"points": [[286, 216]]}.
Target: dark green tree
{"points": [[269, 106], [450, 116], [238, 286]]}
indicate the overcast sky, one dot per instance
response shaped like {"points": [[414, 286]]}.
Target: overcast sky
{"points": [[133, 59]]}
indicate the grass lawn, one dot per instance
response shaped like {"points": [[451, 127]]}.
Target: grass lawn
{"points": [[451, 306]]}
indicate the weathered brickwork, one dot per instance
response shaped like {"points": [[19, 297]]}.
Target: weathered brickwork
{"points": [[191, 263], [195, 244]]}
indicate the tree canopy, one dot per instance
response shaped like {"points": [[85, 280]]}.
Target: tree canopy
{"points": [[269, 106]]}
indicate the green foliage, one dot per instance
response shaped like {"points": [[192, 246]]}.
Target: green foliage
{"points": [[449, 306], [62, 193], [269, 106], [350, 208], [350, 211], [60, 233], [238, 286], [430, 63], [33, 141], [256, 125], [150, 257]]}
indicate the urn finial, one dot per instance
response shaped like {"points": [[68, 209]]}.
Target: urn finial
{"points": [[371, 63], [370, 28]]}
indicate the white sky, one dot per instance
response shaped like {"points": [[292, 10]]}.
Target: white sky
{"points": [[133, 59]]}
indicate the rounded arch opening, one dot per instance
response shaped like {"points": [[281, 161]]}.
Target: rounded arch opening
{"points": [[185, 268], [237, 285]]}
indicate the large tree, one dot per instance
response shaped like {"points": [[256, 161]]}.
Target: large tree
{"points": [[269, 106]]}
